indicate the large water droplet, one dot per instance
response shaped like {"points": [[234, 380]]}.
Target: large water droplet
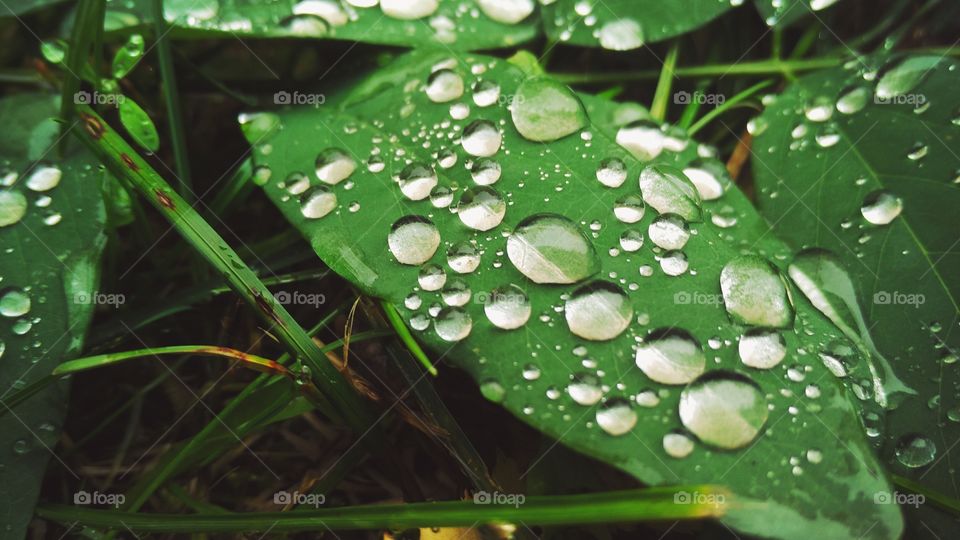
{"points": [[616, 416], [431, 277], [705, 175], [584, 389], [549, 248], [334, 165], [669, 231], [754, 293], [507, 11], [598, 311], [486, 93], [44, 178], [453, 324], [13, 206], [612, 172], [668, 190], [673, 263], [413, 240], [546, 110], [642, 138], [507, 307], [621, 35], [485, 172], [317, 202], [481, 138], [481, 208], [853, 99], [417, 180], [900, 77], [881, 207], [14, 303], [723, 409], [671, 356], [463, 258], [677, 444], [444, 85], [409, 9], [915, 450], [762, 349]]}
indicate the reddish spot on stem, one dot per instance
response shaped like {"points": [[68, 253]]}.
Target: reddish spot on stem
{"points": [[129, 162], [93, 125], [164, 199]]}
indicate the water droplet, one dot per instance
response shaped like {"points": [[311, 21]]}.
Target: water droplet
{"points": [[631, 240], [446, 158], [621, 35], [642, 138], [13, 206], [705, 175], [453, 324], [431, 277], [671, 356], [481, 138], [853, 99], [723, 409], [900, 77], [44, 178], [14, 303], [507, 11], [493, 390], [546, 110], [616, 416], [819, 109], [881, 207], [444, 85], [598, 311], [549, 248], [918, 152], [669, 231], [486, 93], [413, 240], [915, 450], [629, 208], [463, 258], [507, 307], [481, 208], [334, 165], [408, 9], [762, 349], [677, 444], [673, 263], [416, 181], [668, 190], [317, 202], [754, 293], [612, 172], [485, 171], [584, 389], [456, 293]]}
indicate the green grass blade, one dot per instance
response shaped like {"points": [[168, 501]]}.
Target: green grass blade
{"points": [[661, 98], [727, 105], [393, 316], [86, 28]]}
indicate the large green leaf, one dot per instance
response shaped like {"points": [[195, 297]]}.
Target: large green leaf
{"points": [[810, 469], [626, 24], [784, 12], [450, 23], [843, 151], [49, 269]]}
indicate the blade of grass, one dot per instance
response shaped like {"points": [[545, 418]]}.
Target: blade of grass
{"points": [[658, 503], [727, 105], [661, 97], [82, 36], [396, 321], [123, 161]]}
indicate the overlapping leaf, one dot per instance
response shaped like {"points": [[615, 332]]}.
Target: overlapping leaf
{"points": [[863, 161], [53, 218], [811, 463]]}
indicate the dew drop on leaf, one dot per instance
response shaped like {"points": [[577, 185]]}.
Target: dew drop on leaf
{"points": [[485, 172], [413, 240], [915, 450], [881, 207], [673, 263], [13, 206], [14, 303], [723, 409], [317, 202], [444, 85], [453, 324], [616, 416], [416, 181], [669, 231], [621, 35], [668, 190], [677, 444], [671, 356], [507, 11], [44, 178], [545, 110], [642, 138], [612, 172], [754, 293], [584, 389], [431, 277], [481, 208], [762, 349], [598, 311], [486, 93], [549, 248], [507, 307], [334, 165], [481, 138], [408, 9], [629, 208]]}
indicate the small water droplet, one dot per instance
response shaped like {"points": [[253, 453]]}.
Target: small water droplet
{"points": [[413, 240]]}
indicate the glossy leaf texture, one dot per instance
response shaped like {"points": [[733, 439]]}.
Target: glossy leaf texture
{"points": [[593, 314], [53, 215], [412, 23], [622, 25], [785, 12], [863, 161]]}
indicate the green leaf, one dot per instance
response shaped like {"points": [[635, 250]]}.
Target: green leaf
{"points": [[626, 24], [138, 124], [391, 22], [868, 171], [810, 468], [127, 56], [49, 269], [785, 12]]}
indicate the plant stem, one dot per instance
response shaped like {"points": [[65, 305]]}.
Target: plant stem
{"points": [[102, 360], [661, 97], [761, 67], [124, 162], [727, 105], [82, 36], [610, 507], [393, 316]]}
